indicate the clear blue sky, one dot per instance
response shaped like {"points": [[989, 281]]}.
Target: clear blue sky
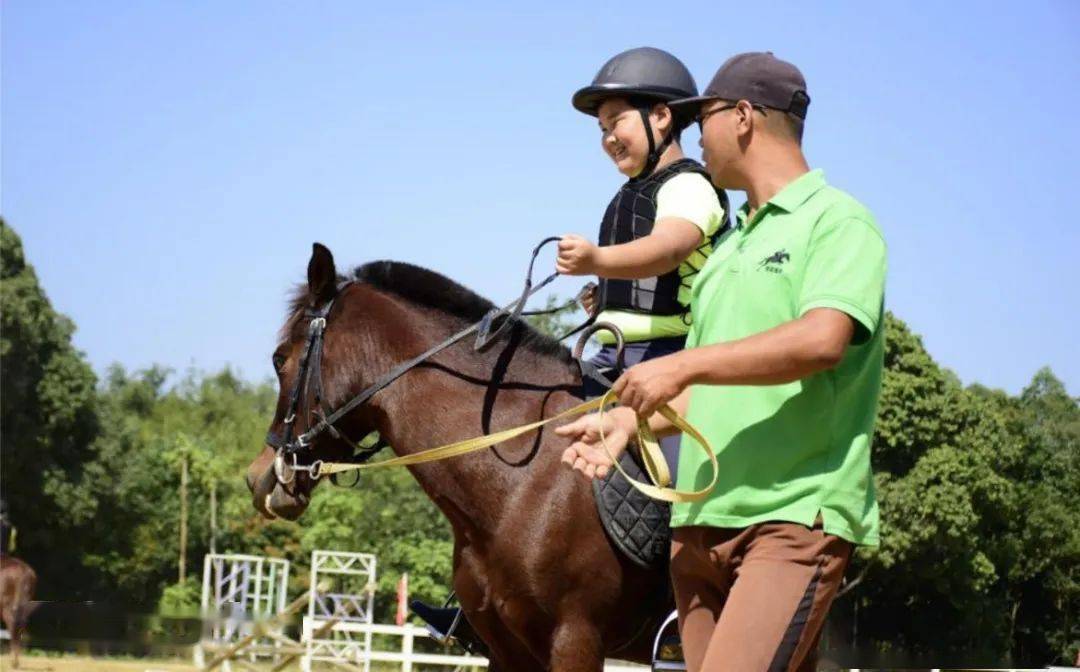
{"points": [[169, 164]]}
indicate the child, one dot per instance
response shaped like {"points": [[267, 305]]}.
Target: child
{"points": [[661, 226], [655, 236]]}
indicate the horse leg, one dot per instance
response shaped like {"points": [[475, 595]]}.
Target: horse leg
{"points": [[507, 652], [21, 618], [577, 646], [11, 623], [20, 615]]}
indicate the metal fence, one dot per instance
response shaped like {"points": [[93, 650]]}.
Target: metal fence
{"points": [[405, 653]]}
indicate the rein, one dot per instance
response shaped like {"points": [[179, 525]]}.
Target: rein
{"points": [[650, 450], [310, 376], [310, 373]]}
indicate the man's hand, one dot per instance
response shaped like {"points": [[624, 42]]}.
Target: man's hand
{"points": [[586, 454], [577, 256], [647, 386]]}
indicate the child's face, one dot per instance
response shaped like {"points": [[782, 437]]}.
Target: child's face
{"points": [[623, 135]]}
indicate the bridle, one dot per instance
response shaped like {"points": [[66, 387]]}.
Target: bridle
{"points": [[309, 386]]}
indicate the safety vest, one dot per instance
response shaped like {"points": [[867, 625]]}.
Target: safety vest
{"points": [[630, 216]]}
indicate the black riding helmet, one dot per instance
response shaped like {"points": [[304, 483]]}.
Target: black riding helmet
{"points": [[644, 76]]}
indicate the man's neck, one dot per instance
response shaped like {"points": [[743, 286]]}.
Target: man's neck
{"points": [[771, 171]]}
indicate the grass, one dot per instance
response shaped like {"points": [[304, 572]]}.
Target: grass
{"points": [[35, 662]]}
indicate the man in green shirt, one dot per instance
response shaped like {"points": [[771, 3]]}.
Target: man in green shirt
{"points": [[781, 374]]}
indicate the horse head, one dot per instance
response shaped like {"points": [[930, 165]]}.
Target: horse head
{"points": [[313, 371]]}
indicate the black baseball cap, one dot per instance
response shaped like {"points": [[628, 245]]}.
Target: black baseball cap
{"points": [[758, 77]]}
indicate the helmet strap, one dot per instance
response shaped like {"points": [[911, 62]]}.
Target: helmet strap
{"points": [[654, 150]]}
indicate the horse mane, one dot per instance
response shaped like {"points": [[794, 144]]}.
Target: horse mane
{"points": [[430, 289], [427, 288]]}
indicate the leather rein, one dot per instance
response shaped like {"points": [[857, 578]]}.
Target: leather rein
{"points": [[308, 387]]}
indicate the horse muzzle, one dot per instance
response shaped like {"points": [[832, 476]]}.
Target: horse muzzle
{"points": [[272, 496], [280, 503]]}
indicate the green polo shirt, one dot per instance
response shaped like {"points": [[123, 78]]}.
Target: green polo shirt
{"points": [[790, 452]]}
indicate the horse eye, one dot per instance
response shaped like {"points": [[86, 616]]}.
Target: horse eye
{"points": [[279, 362]]}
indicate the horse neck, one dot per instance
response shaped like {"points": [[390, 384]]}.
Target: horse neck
{"points": [[460, 394]]}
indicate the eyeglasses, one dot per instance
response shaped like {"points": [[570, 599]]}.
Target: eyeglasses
{"points": [[702, 116]]}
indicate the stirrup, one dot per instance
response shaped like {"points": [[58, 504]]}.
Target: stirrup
{"points": [[440, 622], [448, 625], [667, 647]]}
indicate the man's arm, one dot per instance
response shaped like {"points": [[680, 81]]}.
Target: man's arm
{"points": [[788, 352], [791, 351]]}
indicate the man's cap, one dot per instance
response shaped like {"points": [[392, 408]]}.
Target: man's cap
{"points": [[758, 77]]}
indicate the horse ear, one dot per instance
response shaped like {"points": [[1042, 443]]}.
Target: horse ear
{"points": [[321, 274]]}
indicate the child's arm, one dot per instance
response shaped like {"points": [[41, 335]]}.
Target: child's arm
{"points": [[672, 240]]}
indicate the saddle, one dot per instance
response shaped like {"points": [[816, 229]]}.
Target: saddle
{"points": [[640, 527]]}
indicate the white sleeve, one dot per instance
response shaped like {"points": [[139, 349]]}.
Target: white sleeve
{"points": [[689, 196]]}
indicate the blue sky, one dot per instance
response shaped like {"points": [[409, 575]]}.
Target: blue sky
{"points": [[169, 164]]}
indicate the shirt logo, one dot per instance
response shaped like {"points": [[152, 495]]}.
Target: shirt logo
{"points": [[774, 261]]}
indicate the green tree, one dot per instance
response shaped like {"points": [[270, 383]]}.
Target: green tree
{"points": [[49, 417], [1044, 583], [973, 517], [130, 530], [564, 317]]}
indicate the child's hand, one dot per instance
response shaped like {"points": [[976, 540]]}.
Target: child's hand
{"points": [[587, 298], [577, 256]]}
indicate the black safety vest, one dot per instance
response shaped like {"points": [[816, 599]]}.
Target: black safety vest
{"points": [[630, 216]]}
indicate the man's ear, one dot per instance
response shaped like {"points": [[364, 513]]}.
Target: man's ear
{"points": [[321, 275], [744, 117]]}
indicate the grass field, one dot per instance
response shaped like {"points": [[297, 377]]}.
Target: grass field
{"points": [[32, 663]]}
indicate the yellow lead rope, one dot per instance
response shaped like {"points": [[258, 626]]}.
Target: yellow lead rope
{"points": [[650, 451], [652, 457]]}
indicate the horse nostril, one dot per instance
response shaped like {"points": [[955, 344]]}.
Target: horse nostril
{"points": [[250, 482]]}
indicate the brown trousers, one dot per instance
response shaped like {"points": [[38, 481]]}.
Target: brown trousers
{"points": [[755, 599]]}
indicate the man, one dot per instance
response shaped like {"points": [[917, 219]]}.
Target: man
{"points": [[781, 373]]}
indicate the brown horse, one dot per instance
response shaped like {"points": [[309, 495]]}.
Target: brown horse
{"points": [[536, 575], [17, 584]]}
